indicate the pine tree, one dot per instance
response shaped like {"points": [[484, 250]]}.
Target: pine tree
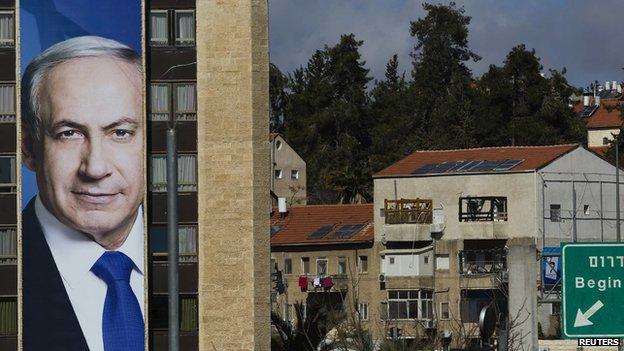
{"points": [[441, 79]]}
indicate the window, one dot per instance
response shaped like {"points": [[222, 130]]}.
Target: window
{"points": [[483, 208], [555, 308], [160, 98], [188, 314], [8, 246], [187, 173], [159, 307], [184, 100], [7, 103], [7, 174], [278, 174], [426, 259], [8, 315], [186, 105], [342, 265], [187, 242], [321, 266], [7, 29], [287, 265], [305, 265], [363, 264], [606, 141], [185, 27], [444, 310], [555, 213], [363, 311], [159, 31], [586, 209], [410, 304], [278, 144], [391, 259], [472, 302], [294, 174]]}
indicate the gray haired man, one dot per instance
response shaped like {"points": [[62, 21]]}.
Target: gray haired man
{"points": [[83, 232]]}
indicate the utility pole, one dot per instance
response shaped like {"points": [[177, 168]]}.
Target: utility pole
{"points": [[172, 235], [617, 201]]}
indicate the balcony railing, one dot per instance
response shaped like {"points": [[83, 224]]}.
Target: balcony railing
{"points": [[482, 208], [478, 262], [408, 211]]}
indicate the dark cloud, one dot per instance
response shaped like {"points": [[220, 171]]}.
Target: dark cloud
{"points": [[582, 36]]}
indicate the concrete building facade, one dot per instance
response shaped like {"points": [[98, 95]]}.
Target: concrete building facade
{"points": [[288, 172], [9, 162], [485, 215]]}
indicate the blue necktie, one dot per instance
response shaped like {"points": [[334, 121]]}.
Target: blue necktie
{"points": [[122, 321]]}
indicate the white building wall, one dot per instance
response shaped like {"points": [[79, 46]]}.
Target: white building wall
{"points": [[589, 179]]}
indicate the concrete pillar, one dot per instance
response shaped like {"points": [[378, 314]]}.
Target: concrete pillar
{"points": [[523, 268], [233, 174]]}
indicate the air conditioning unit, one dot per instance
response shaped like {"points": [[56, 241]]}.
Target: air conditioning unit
{"points": [[382, 278]]}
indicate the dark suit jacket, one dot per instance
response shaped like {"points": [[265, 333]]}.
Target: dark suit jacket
{"points": [[50, 322]]}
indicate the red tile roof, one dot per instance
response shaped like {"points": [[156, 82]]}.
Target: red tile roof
{"points": [[600, 150], [534, 157], [606, 116], [301, 221]]}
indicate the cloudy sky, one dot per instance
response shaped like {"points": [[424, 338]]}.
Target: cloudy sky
{"points": [[583, 36]]}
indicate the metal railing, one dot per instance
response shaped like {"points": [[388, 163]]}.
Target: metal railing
{"points": [[408, 211], [479, 262]]}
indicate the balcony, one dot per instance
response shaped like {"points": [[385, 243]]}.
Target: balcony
{"points": [[327, 283], [482, 268], [408, 211], [407, 219], [480, 262], [482, 209]]}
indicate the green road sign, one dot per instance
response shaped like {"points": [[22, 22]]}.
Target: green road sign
{"points": [[593, 290]]}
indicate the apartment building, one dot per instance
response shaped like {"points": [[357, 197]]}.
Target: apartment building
{"points": [[8, 182], [326, 258], [467, 227], [172, 95], [288, 172], [601, 113]]}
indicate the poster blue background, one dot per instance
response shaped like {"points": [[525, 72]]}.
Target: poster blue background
{"points": [[44, 23]]}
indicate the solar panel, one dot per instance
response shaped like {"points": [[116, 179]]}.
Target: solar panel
{"points": [[428, 168], [508, 164], [321, 231], [445, 167], [486, 166], [467, 165], [348, 230], [588, 111], [275, 229]]}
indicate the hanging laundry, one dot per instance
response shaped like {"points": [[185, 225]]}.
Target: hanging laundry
{"points": [[327, 283], [303, 283]]}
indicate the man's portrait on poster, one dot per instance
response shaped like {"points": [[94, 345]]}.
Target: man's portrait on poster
{"points": [[83, 131]]}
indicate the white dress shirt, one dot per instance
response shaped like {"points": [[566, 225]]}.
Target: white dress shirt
{"points": [[75, 254]]}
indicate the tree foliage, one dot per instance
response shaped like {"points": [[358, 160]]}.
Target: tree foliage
{"points": [[346, 127]]}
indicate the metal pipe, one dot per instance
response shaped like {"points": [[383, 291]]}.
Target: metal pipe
{"points": [[617, 187], [172, 234]]}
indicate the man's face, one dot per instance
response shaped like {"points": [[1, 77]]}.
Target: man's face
{"points": [[89, 163]]}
